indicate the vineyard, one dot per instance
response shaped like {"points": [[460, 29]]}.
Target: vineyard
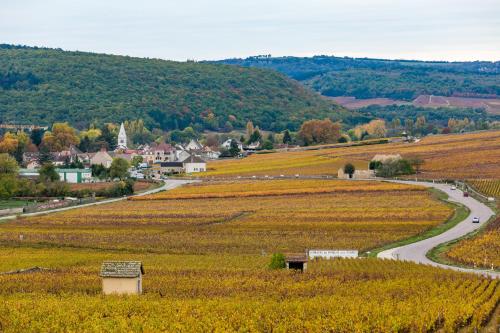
{"points": [[489, 187], [206, 247], [482, 250], [471, 156], [269, 216], [364, 295]]}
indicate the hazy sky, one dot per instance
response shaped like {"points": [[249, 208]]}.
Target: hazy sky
{"points": [[216, 29]]}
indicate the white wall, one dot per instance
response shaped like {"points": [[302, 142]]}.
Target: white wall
{"points": [[195, 167]]}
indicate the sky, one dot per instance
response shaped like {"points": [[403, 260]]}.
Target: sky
{"points": [[217, 29]]}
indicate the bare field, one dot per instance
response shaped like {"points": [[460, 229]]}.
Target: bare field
{"points": [[491, 105]]}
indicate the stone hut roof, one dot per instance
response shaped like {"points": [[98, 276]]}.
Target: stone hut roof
{"points": [[296, 257], [122, 269]]}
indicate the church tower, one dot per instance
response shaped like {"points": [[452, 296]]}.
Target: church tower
{"points": [[122, 138]]}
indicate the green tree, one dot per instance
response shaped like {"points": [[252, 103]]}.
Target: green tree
{"points": [[287, 138], [136, 160], [45, 155], [416, 163], [255, 137], [8, 186], [119, 168], [234, 149], [108, 137], [8, 165], [48, 173], [349, 169], [267, 145]]}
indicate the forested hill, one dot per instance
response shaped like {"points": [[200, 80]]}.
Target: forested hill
{"points": [[41, 86], [372, 78]]}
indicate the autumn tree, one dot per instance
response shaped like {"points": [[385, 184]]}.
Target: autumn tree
{"points": [[61, 137], [319, 131], [8, 165], [212, 140], [375, 129], [250, 129], [9, 143]]}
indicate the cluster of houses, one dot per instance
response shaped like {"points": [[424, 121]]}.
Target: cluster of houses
{"points": [[157, 160]]}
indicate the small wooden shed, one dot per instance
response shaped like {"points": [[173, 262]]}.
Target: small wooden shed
{"points": [[296, 261], [122, 277]]}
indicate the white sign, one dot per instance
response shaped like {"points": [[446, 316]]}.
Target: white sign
{"points": [[329, 254]]}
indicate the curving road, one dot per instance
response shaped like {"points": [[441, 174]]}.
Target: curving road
{"points": [[169, 184], [416, 252]]}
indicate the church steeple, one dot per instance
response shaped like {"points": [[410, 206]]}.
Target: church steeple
{"points": [[122, 138]]}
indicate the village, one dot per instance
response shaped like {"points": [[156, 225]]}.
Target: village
{"points": [[149, 161]]}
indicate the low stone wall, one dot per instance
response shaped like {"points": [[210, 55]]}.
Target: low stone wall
{"points": [[11, 211], [358, 174]]}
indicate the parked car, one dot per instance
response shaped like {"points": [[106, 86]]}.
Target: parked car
{"points": [[475, 219], [453, 188], [466, 194]]}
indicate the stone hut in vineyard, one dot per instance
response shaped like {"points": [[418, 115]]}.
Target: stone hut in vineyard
{"points": [[122, 277]]}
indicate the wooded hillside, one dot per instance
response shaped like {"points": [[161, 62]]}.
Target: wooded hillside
{"points": [[42, 86]]}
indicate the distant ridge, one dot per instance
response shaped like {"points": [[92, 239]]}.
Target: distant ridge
{"points": [[380, 78]]}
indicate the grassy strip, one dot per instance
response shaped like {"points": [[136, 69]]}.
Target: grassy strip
{"points": [[5, 204], [438, 254], [460, 214]]}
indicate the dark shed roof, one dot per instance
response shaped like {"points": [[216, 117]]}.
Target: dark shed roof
{"points": [[296, 258], [171, 164], [123, 269]]}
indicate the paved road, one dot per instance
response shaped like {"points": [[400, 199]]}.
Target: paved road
{"points": [[168, 185], [416, 252]]}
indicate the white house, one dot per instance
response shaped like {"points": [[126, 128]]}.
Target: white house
{"points": [[194, 164], [193, 145], [227, 144]]}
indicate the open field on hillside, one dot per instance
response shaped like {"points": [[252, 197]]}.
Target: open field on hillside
{"points": [[470, 155], [206, 248], [491, 105]]}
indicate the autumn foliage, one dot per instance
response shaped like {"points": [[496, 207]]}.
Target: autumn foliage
{"points": [[319, 131]]}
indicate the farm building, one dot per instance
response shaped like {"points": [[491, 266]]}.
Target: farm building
{"points": [[74, 175], [358, 174], [194, 164], [122, 277], [296, 261]]}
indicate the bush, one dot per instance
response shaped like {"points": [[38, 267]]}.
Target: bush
{"points": [[395, 168], [374, 165], [119, 189], [277, 261]]}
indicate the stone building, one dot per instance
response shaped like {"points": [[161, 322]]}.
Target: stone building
{"points": [[122, 277]]}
